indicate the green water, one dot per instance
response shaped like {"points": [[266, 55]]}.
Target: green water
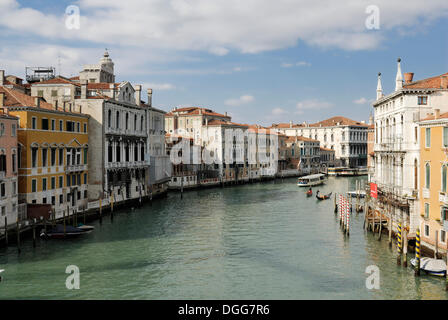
{"points": [[258, 241]]}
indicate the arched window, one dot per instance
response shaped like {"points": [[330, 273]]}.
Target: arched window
{"points": [[118, 120], [444, 178], [135, 122], [141, 124], [127, 121], [427, 176], [109, 118]]}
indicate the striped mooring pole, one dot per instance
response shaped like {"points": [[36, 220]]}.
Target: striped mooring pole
{"points": [[347, 227], [399, 245], [417, 252]]}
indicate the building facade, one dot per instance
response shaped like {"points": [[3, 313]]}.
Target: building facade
{"points": [[397, 147], [8, 166]]}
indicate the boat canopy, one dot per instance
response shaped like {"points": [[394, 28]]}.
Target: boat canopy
{"points": [[312, 176]]}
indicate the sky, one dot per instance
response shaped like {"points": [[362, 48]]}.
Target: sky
{"points": [[261, 61]]}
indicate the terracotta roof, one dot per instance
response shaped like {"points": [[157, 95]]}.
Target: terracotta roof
{"points": [[428, 83], [57, 80], [215, 122], [432, 117], [337, 119], [301, 138], [14, 98], [188, 111], [101, 85], [286, 125]]}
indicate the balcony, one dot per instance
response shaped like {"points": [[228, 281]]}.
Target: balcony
{"points": [[76, 168]]}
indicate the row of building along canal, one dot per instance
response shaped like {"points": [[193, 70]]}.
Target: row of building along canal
{"points": [[263, 241]]}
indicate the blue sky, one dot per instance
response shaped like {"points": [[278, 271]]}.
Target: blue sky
{"points": [[259, 62]]}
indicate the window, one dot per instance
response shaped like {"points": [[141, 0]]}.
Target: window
{"points": [[14, 167], [68, 180], [34, 185], [78, 127], [34, 157], [54, 93], [85, 156], [61, 199], [109, 118], [53, 183], [444, 213], [61, 157], [70, 126], [428, 137], [127, 121], [53, 200], [61, 182], [13, 130], [427, 176], [2, 190], [44, 157], [40, 93], [426, 210], [53, 156], [14, 188], [61, 125], [44, 124], [44, 184], [422, 100], [442, 236], [445, 137], [426, 231], [33, 123], [53, 124], [44, 200], [443, 178], [85, 127], [118, 120], [85, 178]]}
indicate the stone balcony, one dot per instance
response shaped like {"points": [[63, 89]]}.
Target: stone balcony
{"points": [[76, 168], [129, 164]]}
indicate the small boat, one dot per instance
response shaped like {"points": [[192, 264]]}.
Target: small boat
{"points": [[58, 232], [434, 267], [311, 180], [309, 193], [324, 197], [356, 193], [85, 227]]}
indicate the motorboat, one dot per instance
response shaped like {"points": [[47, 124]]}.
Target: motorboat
{"points": [[311, 180], [434, 267], [58, 232]]}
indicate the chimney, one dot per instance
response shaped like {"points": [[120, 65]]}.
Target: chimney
{"points": [[37, 102], [290, 123], [225, 113], [399, 77], [2, 99], [2, 77], [83, 89], [444, 82], [379, 88], [436, 113], [149, 92], [408, 76], [138, 94], [112, 88]]}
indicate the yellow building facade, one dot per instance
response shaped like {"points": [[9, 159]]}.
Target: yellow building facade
{"points": [[53, 155], [433, 181]]}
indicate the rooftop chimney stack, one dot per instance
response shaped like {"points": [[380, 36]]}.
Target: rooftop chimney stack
{"points": [[112, 88], [379, 88], [399, 77], [444, 82], [2, 77], [290, 123], [83, 89], [149, 92], [37, 102], [138, 94], [436, 113], [408, 76]]}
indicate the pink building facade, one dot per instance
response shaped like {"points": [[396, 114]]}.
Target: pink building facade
{"points": [[8, 169]]}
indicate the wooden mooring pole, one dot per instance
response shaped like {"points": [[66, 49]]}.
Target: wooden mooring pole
{"points": [[436, 251], [34, 233], [101, 218], [63, 217], [399, 244], [417, 251], [390, 228], [6, 230], [18, 236]]}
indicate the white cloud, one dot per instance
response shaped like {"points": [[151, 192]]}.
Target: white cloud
{"points": [[361, 100], [219, 26], [297, 64], [312, 104], [159, 86], [287, 65], [239, 101], [278, 111]]}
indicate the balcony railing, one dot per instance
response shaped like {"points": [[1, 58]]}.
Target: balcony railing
{"points": [[76, 168]]}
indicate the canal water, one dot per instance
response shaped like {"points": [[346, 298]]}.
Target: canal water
{"points": [[255, 241]]}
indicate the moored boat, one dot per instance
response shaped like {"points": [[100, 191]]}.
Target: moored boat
{"points": [[323, 197], [58, 232], [434, 267], [309, 193], [311, 180], [85, 227]]}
